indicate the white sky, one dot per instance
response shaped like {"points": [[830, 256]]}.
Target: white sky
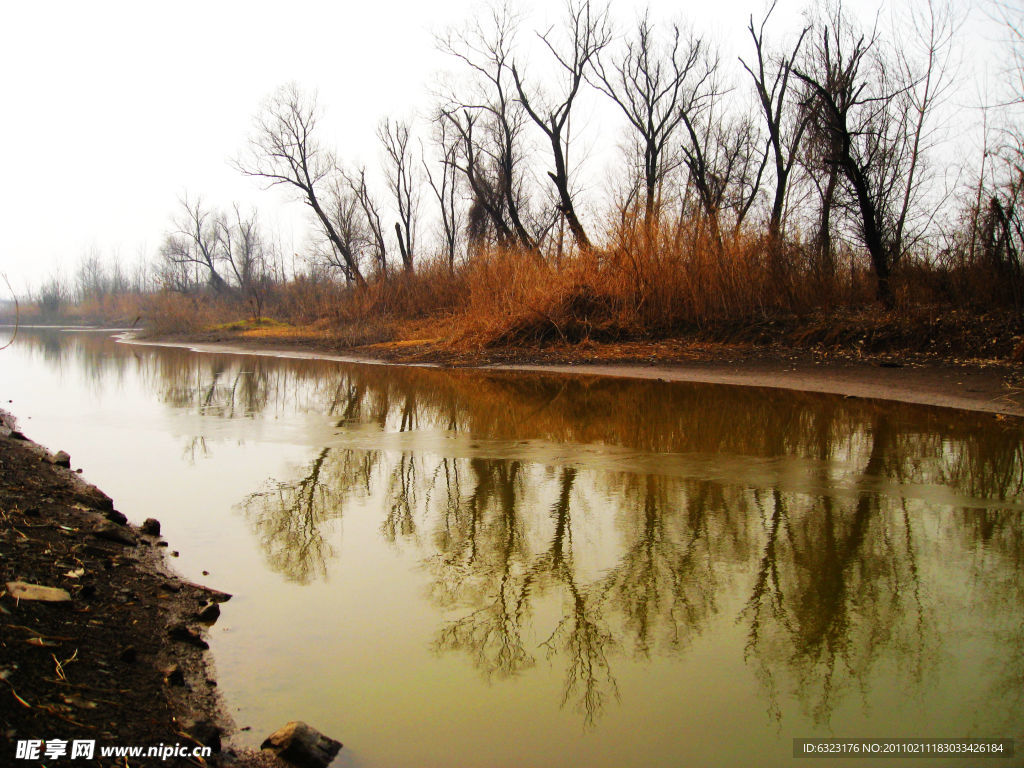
{"points": [[114, 110]]}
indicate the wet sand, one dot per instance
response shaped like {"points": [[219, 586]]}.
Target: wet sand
{"points": [[966, 387], [986, 386]]}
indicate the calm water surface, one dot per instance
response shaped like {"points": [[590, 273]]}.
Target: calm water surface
{"points": [[459, 568]]}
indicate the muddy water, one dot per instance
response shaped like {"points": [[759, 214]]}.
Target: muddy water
{"points": [[479, 569]]}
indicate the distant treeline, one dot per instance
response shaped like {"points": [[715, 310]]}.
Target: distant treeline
{"points": [[807, 174]]}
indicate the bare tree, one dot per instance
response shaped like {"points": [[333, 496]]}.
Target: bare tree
{"points": [[52, 295], [1010, 14], [836, 98], [722, 151], [997, 212], [649, 83], [489, 128], [284, 149], [1002, 236], [825, 178], [191, 251], [588, 32], [142, 278], [870, 112], [996, 220], [117, 278], [444, 185], [771, 80], [403, 183], [346, 214], [91, 278], [370, 207], [245, 251], [486, 165], [229, 252], [726, 162]]}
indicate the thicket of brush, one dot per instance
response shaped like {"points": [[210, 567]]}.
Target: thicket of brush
{"points": [[648, 284]]}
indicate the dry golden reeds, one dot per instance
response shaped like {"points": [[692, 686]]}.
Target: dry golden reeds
{"points": [[648, 281]]}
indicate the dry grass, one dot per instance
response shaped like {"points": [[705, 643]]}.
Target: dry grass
{"points": [[167, 312], [112, 309], [674, 280], [645, 285]]}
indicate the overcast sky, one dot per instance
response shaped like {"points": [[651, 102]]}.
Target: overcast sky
{"points": [[114, 110]]}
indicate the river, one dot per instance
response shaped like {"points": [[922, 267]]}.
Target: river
{"points": [[483, 568]]}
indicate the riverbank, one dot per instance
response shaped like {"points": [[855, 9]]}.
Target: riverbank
{"points": [[939, 379], [103, 646]]}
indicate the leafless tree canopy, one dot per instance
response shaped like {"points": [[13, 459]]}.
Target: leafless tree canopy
{"points": [[587, 33], [444, 184], [650, 80], [488, 123], [771, 76], [226, 251], [192, 250], [403, 183], [814, 162], [285, 149], [869, 111]]}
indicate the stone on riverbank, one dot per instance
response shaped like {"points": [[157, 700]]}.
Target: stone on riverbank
{"points": [[302, 745], [19, 590], [111, 532], [183, 634], [209, 613], [174, 676], [118, 518]]}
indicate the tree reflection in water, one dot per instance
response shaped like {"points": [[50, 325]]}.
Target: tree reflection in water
{"points": [[581, 638], [664, 583], [481, 563], [288, 518], [825, 518], [484, 561], [838, 590]]}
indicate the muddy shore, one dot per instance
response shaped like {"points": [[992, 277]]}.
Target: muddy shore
{"points": [[112, 652], [992, 386]]}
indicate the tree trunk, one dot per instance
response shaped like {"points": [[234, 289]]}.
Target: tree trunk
{"points": [[406, 256]]}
